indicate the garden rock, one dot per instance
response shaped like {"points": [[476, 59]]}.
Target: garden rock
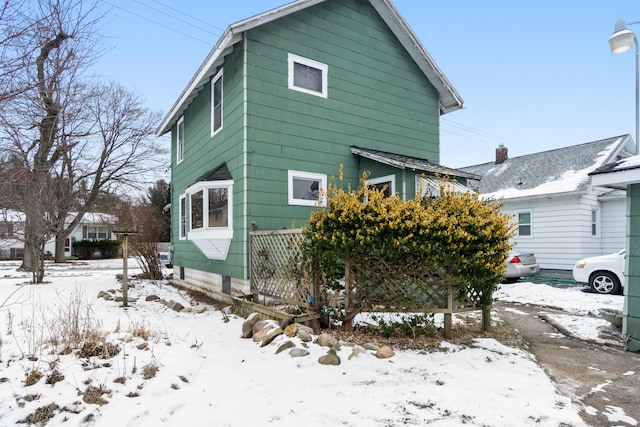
{"points": [[270, 337], [152, 298], [326, 340], [385, 352], [330, 358], [247, 325], [106, 295], [285, 346], [298, 352]]}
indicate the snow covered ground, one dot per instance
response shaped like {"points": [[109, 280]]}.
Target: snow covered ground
{"points": [[194, 369]]}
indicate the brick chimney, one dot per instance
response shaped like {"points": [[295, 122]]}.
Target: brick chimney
{"points": [[502, 154]]}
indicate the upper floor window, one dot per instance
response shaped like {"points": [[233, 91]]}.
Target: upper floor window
{"points": [[524, 224], [216, 103], [180, 140], [307, 189], [307, 75]]}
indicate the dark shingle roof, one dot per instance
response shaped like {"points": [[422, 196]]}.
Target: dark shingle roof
{"points": [[413, 163], [548, 172]]}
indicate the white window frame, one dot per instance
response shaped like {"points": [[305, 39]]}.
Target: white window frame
{"points": [[180, 140], [595, 224], [206, 231], [215, 80], [182, 226], [324, 68], [321, 178], [391, 179], [530, 224]]}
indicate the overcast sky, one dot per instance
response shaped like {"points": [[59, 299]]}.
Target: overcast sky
{"points": [[534, 75]]}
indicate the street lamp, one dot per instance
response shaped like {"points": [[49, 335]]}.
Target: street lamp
{"points": [[621, 41]]}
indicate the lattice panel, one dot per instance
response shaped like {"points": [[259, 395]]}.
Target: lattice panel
{"points": [[381, 285], [274, 257]]}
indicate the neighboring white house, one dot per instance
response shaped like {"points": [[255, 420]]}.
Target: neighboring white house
{"points": [[94, 226], [560, 216]]}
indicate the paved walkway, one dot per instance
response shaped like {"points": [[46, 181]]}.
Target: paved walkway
{"points": [[603, 381]]}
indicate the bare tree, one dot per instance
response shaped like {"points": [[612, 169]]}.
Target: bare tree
{"points": [[69, 140], [148, 223], [121, 153]]}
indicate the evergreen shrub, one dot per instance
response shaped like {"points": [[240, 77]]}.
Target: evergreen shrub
{"points": [[461, 235]]}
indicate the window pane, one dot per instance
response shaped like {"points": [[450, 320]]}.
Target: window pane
{"points": [[524, 230], [217, 104], [386, 186], [197, 218], [218, 207], [306, 189], [307, 77], [180, 140], [524, 218], [183, 217]]}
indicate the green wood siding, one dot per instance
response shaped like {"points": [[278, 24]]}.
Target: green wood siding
{"points": [[377, 99], [203, 153], [631, 321]]}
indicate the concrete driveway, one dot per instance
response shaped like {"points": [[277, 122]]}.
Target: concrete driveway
{"points": [[603, 381]]}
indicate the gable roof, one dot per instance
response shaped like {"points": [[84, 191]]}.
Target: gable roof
{"points": [[450, 100], [563, 170], [412, 163]]}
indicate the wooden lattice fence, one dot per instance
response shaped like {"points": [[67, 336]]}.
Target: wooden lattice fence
{"points": [[371, 285], [275, 263]]}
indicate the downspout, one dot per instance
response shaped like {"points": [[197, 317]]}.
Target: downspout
{"points": [[245, 168], [404, 184]]}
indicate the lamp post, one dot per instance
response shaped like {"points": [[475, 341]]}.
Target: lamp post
{"points": [[621, 41]]}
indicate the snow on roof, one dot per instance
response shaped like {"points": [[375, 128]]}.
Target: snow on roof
{"points": [[562, 170]]}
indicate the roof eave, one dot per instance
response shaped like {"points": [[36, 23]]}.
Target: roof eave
{"points": [[450, 100]]}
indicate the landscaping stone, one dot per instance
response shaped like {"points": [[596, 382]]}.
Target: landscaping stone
{"points": [[285, 346], [247, 325], [330, 358], [385, 352], [298, 352]]}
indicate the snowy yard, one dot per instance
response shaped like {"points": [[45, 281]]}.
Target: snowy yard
{"points": [[176, 368]]}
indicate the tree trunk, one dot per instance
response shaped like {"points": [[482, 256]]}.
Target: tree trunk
{"points": [[61, 238]]}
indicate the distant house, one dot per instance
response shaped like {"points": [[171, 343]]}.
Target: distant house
{"points": [[283, 99], [94, 226], [560, 215]]}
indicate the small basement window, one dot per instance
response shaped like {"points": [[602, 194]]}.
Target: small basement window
{"points": [[307, 75]]}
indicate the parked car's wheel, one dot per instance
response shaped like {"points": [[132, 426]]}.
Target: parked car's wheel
{"points": [[604, 282]]}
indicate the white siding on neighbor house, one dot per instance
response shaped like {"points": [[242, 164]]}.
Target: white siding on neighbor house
{"points": [[613, 224], [561, 227]]}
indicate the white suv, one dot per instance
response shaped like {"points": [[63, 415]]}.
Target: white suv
{"points": [[604, 274]]}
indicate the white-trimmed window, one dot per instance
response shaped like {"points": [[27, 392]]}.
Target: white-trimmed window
{"points": [[183, 216], [595, 224], [307, 189], [211, 205], [216, 103], [95, 232], [180, 140], [525, 223], [388, 183], [307, 75]]}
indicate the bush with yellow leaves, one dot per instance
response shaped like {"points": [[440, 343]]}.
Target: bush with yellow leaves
{"points": [[462, 236]]}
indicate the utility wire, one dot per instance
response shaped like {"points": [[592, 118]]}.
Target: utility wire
{"points": [[217, 34], [473, 130], [208, 43], [190, 16]]}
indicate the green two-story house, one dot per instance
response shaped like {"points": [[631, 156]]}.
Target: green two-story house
{"points": [[281, 101]]}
